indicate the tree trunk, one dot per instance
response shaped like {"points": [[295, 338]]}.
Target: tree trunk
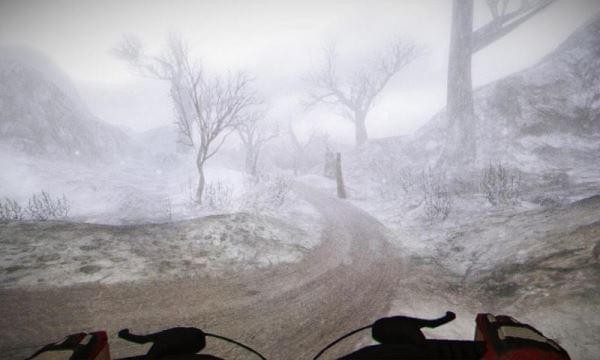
{"points": [[360, 130], [341, 188], [201, 179], [460, 143], [200, 189], [251, 161]]}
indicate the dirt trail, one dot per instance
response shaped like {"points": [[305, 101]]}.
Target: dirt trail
{"points": [[285, 312]]}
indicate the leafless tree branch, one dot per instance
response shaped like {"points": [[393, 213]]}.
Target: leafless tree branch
{"points": [[353, 98], [504, 21], [207, 109], [255, 133]]}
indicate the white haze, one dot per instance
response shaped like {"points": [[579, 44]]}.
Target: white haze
{"points": [[278, 42]]}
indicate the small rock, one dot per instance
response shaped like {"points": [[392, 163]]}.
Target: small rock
{"points": [[48, 257], [89, 247], [12, 269], [90, 269]]}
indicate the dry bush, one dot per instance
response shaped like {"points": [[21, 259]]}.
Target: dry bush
{"points": [[189, 189], [391, 178], [436, 195], [43, 207], [500, 185], [266, 192], [218, 195], [278, 187], [40, 207], [10, 210]]}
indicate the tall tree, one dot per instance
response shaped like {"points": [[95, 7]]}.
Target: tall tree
{"points": [[207, 108], [354, 98], [506, 15], [255, 134]]}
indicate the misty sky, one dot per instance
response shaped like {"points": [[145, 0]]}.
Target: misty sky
{"points": [[278, 42]]}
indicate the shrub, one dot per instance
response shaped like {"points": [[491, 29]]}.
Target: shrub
{"points": [[168, 205], [436, 196], [42, 207], [266, 192], [217, 195], [391, 178], [189, 190], [500, 185], [278, 187], [10, 210]]}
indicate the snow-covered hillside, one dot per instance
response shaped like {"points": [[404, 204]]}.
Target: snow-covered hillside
{"points": [[543, 119], [534, 256], [115, 182], [41, 113], [242, 224]]}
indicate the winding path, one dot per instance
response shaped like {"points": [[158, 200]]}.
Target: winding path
{"points": [[287, 312]]}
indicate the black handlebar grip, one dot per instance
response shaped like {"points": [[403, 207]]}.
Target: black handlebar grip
{"points": [[405, 330]]}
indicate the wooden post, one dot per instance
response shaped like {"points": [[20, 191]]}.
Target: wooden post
{"points": [[341, 189]]}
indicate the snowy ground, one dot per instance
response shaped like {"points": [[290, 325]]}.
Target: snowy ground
{"points": [[59, 253], [477, 237], [535, 260], [240, 226], [155, 189]]}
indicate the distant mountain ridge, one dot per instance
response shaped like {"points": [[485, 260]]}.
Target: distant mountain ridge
{"points": [[41, 113], [51, 72]]}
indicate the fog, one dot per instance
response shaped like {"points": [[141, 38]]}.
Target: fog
{"points": [[231, 35], [283, 172]]}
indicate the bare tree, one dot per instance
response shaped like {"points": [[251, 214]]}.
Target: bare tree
{"points": [[299, 148], [464, 42], [207, 108], [255, 134], [354, 98]]}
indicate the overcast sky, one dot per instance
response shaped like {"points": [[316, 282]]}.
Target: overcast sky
{"points": [[278, 41]]}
